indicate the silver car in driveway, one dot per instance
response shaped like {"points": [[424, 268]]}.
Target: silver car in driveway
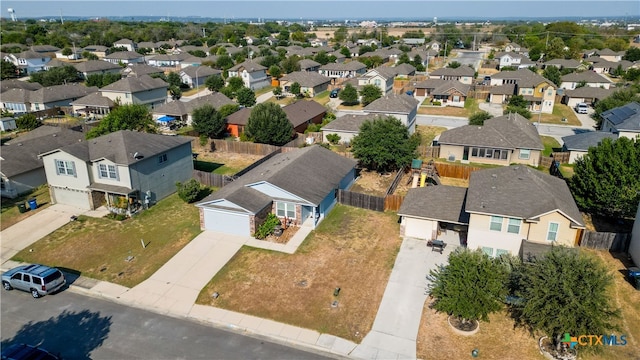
{"points": [[39, 280]]}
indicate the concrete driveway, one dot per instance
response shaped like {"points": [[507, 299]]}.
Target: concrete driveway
{"points": [[395, 329]]}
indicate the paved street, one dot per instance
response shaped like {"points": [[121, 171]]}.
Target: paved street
{"points": [[466, 57], [81, 327]]}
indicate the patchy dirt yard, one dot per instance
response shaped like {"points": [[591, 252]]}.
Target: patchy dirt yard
{"points": [[221, 162], [353, 249]]}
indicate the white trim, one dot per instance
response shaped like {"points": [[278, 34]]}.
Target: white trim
{"points": [[557, 231]]}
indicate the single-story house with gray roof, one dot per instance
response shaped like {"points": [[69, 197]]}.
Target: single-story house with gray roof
{"points": [[578, 145], [298, 186], [195, 76], [182, 110], [623, 120], [347, 126], [311, 83], [585, 94], [402, 107]]}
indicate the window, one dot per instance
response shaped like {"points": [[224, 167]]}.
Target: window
{"points": [[496, 223], [474, 152], [108, 171], [286, 210], [504, 154], [524, 154], [481, 152], [26, 278], [64, 167], [162, 158], [501, 252], [487, 250], [514, 226], [552, 233]]}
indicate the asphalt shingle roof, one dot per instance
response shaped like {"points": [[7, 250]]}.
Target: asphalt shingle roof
{"points": [[588, 76], [307, 79], [585, 140], [95, 65], [450, 201], [136, 84], [393, 103], [248, 65], [347, 66], [302, 111], [181, 108], [350, 122]]}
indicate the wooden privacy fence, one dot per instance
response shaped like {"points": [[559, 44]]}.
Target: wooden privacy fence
{"points": [[241, 147], [455, 170], [211, 179], [360, 200], [393, 202], [429, 151], [615, 242]]}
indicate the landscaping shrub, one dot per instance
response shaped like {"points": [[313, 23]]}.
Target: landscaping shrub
{"points": [[267, 227], [436, 103], [333, 138], [189, 191]]}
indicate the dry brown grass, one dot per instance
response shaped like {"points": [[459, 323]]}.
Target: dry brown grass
{"points": [[373, 183], [445, 110], [454, 182], [428, 133], [353, 249]]}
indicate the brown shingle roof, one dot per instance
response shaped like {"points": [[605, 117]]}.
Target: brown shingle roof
{"points": [[450, 200], [302, 111]]}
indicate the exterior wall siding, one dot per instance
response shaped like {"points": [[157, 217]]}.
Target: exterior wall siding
{"points": [[124, 178], [566, 235], [80, 181], [480, 235]]}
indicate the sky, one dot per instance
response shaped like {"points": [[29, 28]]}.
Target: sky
{"points": [[328, 9]]}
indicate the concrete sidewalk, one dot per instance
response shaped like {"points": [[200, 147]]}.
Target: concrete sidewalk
{"points": [[37, 226]]}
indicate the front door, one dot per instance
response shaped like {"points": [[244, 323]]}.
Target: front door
{"points": [[465, 153]]}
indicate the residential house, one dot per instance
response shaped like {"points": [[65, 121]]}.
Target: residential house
{"points": [[93, 67], [381, 77], [343, 70], [54, 63], [425, 88], [75, 54], [537, 90], [183, 110], [402, 107], [98, 50], [610, 67], [195, 76], [368, 42], [309, 65], [318, 42], [136, 70], [405, 71], [251, 40], [451, 93], [148, 45], [122, 170], [311, 83], [124, 57], [137, 90], [9, 84], [578, 145], [8, 124], [379, 53], [303, 113], [191, 60], [45, 49], [19, 101], [93, 105], [434, 45], [610, 55], [237, 121], [463, 74], [28, 61], [623, 120], [511, 59], [252, 74], [298, 186], [414, 41], [21, 170], [347, 126], [562, 64], [503, 140], [168, 60], [393, 54], [512, 47], [586, 78], [634, 244], [585, 94], [125, 44]]}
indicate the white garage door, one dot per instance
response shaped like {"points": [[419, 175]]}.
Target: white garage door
{"points": [[79, 199], [227, 222]]}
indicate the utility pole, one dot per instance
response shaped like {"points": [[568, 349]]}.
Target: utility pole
{"points": [[546, 42]]}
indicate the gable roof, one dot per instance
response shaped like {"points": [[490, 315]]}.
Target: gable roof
{"points": [[302, 111], [240, 117], [309, 173], [625, 117], [350, 122], [346, 66], [181, 108], [60, 92], [140, 69], [459, 71], [308, 63], [95, 65], [6, 85], [393, 103], [450, 199], [203, 71], [248, 65], [585, 140], [511, 131], [520, 192], [405, 69], [588, 76], [307, 79], [20, 155], [124, 55], [430, 83], [120, 146], [385, 72], [443, 89], [525, 78], [590, 92], [136, 84], [94, 99], [564, 63]]}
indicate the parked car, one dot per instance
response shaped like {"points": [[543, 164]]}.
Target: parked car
{"points": [[39, 280], [26, 352], [581, 108], [334, 93]]}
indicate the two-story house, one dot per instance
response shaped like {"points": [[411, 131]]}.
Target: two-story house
{"points": [[124, 57], [137, 90], [343, 70], [381, 77], [463, 74], [512, 60], [537, 90], [20, 101], [28, 61], [253, 75], [123, 170], [125, 44], [195, 76], [400, 106]]}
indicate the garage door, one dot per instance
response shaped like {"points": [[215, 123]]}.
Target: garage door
{"points": [[227, 222], [79, 199]]}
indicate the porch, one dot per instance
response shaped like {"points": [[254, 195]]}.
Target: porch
{"points": [[117, 199]]}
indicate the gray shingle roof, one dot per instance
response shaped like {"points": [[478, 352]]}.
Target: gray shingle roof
{"points": [[95, 65], [140, 69], [525, 77], [520, 192], [430, 83], [136, 84], [585, 140], [405, 69], [307, 79], [564, 63], [589, 92], [588, 76], [450, 200], [94, 99], [308, 63], [17, 84], [625, 117], [181, 108], [60, 92], [507, 89], [349, 122], [302, 111], [124, 55], [203, 71], [393, 103], [444, 88], [347, 66], [507, 132], [248, 65], [459, 71], [239, 117], [309, 173]]}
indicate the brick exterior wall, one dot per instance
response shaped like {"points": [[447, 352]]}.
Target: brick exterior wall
{"points": [[256, 220]]}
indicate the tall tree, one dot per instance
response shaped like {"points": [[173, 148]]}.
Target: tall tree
{"points": [[290, 64], [268, 124], [246, 97], [370, 93], [349, 95], [471, 286], [214, 83], [125, 117], [275, 71], [235, 83], [384, 144], [295, 89], [56, 76], [209, 122], [8, 69], [552, 73], [479, 117], [228, 109], [607, 179], [27, 122]]}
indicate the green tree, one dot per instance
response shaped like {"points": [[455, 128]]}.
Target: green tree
{"points": [[8, 70], [214, 82], [228, 109], [125, 117], [268, 124], [174, 79], [175, 92], [56, 76], [632, 74], [246, 97], [322, 58], [370, 93], [552, 74], [27, 122], [517, 110], [471, 286], [235, 83], [277, 92], [607, 179], [333, 138], [275, 71], [224, 62], [565, 292], [290, 64], [518, 101], [67, 51], [479, 117], [632, 54], [349, 95], [454, 65], [345, 51], [295, 89], [189, 191], [384, 144], [207, 121], [340, 34]]}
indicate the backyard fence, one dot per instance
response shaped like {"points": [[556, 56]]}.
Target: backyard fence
{"points": [[395, 182], [393, 202], [455, 170], [364, 201], [429, 151], [241, 147], [562, 157], [615, 242], [211, 179]]}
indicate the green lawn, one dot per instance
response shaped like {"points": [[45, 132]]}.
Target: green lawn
{"points": [[560, 112], [99, 247], [322, 98], [549, 144], [10, 213]]}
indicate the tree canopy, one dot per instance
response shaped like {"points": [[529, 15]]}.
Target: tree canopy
{"points": [[246, 97], [207, 121], [384, 144], [517, 104], [268, 124], [607, 179], [56, 76], [125, 117], [349, 95], [479, 117], [370, 93], [8, 70], [552, 73], [27, 122], [619, 97], [214, 82]]}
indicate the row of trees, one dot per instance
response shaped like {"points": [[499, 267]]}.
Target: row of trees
{"points": [[369, 93]]}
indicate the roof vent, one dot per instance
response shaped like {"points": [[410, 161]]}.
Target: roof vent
{"points": [[494, 176], [138, 156], [19, 144]]}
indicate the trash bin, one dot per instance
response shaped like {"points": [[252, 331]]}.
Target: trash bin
{"points": [[33, 204], [22, 207]]}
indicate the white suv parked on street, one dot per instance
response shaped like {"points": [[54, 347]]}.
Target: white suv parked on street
{"points": [[39, 280]]}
